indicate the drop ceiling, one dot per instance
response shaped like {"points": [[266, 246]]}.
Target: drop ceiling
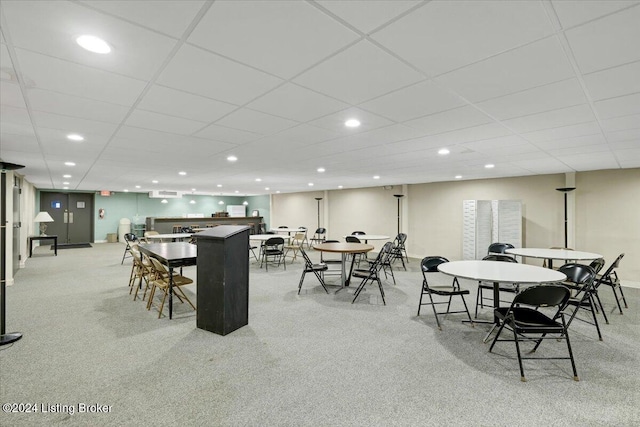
{"points": [[534, 87]]}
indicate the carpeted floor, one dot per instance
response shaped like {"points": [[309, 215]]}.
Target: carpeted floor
{"points": [[304, 360]]}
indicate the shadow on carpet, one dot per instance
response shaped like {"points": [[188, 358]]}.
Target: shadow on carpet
{"points": [[72, 245]]}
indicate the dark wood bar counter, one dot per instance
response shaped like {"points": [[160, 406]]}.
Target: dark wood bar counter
{"points": [[165, 225]]}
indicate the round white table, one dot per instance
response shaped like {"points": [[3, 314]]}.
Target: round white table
{"points": [[551, 254], [344, 249], [289, 230], [265, 237], [500, 272], [173, 236]]}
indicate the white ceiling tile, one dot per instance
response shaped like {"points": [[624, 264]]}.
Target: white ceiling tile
{"points": [[614, 82], [17, 142], [6, 65], [413, 101], [163, 123], [304, 135], [619, 106], [583, 149], [540, 99], [226, 134], [335, 122], [11, 95], [291, 36], [629, 158], [552, 119], [255, 121], [476, 133], [621, 123], [529, 66], [607, 42], [449, 120], [297, 103], [44, 72], [624, 135], [570, 131], [169, 17], [75, 106], [176, 103], [579, 141], [51, 27], [445, 35], [574, 12], [591, 161], [70, 124], [359, 73], [546, 165], [367, 16], [199, 72]]}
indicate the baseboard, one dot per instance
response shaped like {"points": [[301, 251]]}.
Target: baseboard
{"points": [[630, 284], [99, 241]]}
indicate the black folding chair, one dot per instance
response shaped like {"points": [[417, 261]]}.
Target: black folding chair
{"points": [[310, 267], [274, 249], [371, 274], [528, 323], [130, 239]]}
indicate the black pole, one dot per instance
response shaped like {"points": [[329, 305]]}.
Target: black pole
{"points": [[566, 190], [318, 199], [14, 336], [398, 196]]}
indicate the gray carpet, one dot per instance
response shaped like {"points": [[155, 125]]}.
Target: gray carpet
{"points": [[308, 360]]}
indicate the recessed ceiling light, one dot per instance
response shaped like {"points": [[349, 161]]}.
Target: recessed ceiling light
{"points": [[376, 177], [458, 176], [69, 164], [340, 186], [137, 186], [125, 190], [65, 183], [93, 44], [352, 123], [232, 158], [321, 170], [193, 189], [155, 181], [489, 166], [266, 188], [443, 151], [278, 192], [237, 191], [65, 188], [75, 137], [311, 184], [219, 185], [183, 173], [66, 176], [258, 179]]}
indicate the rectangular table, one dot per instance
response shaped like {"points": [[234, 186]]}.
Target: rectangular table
{"points": [[49, 237], [175, 254]]}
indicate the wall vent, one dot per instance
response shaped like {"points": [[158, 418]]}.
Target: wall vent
{"points": [[163, 194]]}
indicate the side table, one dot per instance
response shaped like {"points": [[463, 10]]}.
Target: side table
{"points": [[48, 237]]}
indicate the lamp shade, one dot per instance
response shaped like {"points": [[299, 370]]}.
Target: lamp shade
{"points": [[43, 217]]}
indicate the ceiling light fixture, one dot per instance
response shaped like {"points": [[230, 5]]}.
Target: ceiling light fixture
{"points": [[266, 188], [458, 176], [340, 187], [489, 166], [93, 44], [66, 176], [69, 164], [183, 173], [376, 177], [352, 123], [164, 201], [258, 179], [65, 183], [137, 186], [232, 158], [311, 184], [443, 151], [75, 137], [193, 202], [321, 170], [219, 185], [125, 190], [155, 181], [221, 202]]}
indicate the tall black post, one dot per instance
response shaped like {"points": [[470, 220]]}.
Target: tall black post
{"points": [[14, 336], [318, 199], [398, 196], [566, 190]]}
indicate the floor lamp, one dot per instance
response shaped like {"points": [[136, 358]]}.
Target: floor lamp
{"points": [[318, 199], [398, 196], [565, 190], [14, 336]]}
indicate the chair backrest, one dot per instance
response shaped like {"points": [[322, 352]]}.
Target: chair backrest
{"points": [[356, 233], [498, 257], [321, 230], [543, 296], [188, 229], [351, 239], [579, 274], [380, 259], [400, 239], [332, 241], [307, 260], [130, 237], [597, 264], [606, 276], [274, 243], [430, 264], [499, 248], [159, 269], [283, 226]]}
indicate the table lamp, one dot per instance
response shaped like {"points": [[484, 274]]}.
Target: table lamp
{"points": [[43, 217]]}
